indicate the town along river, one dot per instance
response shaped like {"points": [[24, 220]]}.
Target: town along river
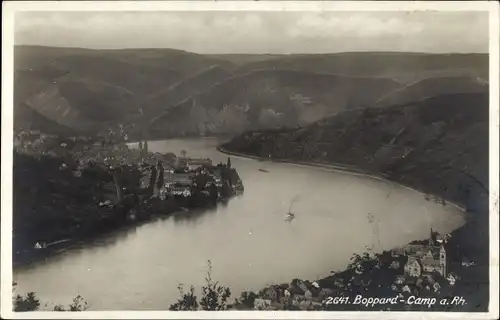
{"points": [[248, 240]]}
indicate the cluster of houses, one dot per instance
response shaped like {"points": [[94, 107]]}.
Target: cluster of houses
{"points": [[182, 179], [303, 295], [36, 142], [180, 175], [426, 267], [428, 257], [161, 175], [422, 269]]}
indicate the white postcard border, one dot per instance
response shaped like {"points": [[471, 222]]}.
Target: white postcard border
{"points": [[9, 9]]}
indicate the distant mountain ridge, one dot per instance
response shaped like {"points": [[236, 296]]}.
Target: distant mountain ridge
{"points": [[96, 87], [160, 89], [400, 66]]}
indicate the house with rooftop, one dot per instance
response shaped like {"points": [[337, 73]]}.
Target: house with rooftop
{"points": [[274, 293], [326, 292], [178, 178], [452, 278], [430, 265], [302, 285], [217, 175], [190, 164], [397, 252], [178, 189], [426, 258], [194, 164], [262, 304]]}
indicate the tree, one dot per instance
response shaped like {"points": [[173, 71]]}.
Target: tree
{"points": [[152, 180], [214, 193], [31, 303], [248, 298], [78, 305], [160, 181], [214, 296], [187, 301], [28, 303]]}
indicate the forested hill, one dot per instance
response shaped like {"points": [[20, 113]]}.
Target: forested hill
{"points": [[173, 92], [439, 145]]}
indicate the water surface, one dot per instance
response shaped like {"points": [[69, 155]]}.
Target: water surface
{"points": [[248, 241]]}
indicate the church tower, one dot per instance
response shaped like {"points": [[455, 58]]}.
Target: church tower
{"points": [[432, 239], [443, 261]]}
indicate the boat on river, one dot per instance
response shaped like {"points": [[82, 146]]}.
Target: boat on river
{"points": [[289, 216], [263, 170], [45, 245]]}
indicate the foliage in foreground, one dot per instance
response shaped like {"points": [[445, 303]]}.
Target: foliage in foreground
{"points": [[30, 302], [214, 296]]}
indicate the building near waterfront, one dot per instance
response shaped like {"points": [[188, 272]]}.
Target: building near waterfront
{"points": [[179, 190], [178, 178], [274, 293], [413, 267], [217, 175], [300, 294], [262, 304], [191, 164], [194, 164], [427, 258]]}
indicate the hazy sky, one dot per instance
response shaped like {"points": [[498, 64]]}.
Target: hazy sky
{"points": [[258, 32]]}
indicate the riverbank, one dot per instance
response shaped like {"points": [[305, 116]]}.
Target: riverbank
{"points": [[86, 191], [474, 283], [336, 167], [253, 167], [24, 258], [219, 137], [52, 251]]}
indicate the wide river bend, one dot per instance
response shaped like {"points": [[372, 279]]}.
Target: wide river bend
{"points": [[248, 241]]}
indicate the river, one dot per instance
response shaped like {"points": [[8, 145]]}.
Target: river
{"points": [[248, 241]]}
